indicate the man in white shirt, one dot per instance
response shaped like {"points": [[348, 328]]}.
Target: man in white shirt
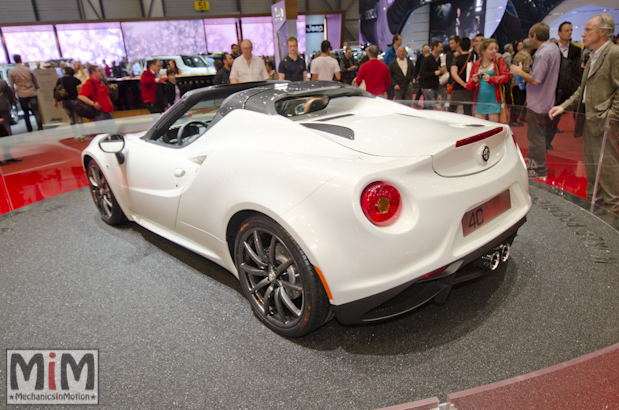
{"points": [[325, 67], [401, 72], [247, 67]]}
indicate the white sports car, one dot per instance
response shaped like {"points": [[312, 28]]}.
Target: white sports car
{"points": [[322, 199]]}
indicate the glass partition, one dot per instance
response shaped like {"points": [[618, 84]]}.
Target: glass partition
{"points": [[39, 165]]}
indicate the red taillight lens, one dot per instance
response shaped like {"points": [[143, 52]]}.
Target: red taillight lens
{"points": [[436, 272], [380, 203]]}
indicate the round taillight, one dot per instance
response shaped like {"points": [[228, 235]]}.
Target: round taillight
{"points": [[380, 203]]}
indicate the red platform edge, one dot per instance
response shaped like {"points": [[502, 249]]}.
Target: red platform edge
{"points": [[589, 381]]}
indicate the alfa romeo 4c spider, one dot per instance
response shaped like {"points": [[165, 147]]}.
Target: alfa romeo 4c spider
{"points": [[323, 200]]}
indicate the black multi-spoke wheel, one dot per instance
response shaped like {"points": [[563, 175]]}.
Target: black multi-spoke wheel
{"points": [[277, 278], [102, 195]]}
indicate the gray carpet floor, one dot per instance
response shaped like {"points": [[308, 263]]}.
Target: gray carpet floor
{"points": [[174, 331]]}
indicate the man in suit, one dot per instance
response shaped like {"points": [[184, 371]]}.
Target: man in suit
{"points": [[401, 72], [570, 74], [599, 94]]}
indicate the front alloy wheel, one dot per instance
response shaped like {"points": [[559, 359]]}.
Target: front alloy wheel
{"points": [[280, 283], [102, 195]]}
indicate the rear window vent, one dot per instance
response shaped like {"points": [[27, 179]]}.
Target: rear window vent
{"points": [[332, 129], [337, 116]]}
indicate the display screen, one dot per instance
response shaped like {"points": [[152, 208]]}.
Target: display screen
{"points": [[3, 59], [464, 18], [260, 31], [146, 39], [220, 34], [91, 43], [33, 43]]}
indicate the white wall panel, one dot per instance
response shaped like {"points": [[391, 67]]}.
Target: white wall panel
{"points": [[417, 28], [16, 11]]}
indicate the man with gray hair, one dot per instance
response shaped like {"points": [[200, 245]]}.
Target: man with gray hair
{"points": [[401, 71], [247, 67], [598, 98]]}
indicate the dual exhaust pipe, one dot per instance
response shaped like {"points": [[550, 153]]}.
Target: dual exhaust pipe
{"points": [[492, 260]]}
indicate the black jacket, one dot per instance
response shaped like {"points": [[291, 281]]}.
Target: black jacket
{"points": [[7, 98], [170, 92], [427, 77], [397, 76], [570, 73], [70, 84]]}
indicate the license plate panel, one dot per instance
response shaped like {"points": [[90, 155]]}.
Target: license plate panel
{"points": [[486, 212]]}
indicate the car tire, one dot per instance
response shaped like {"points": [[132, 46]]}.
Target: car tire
{"points": [[278, 280], [102, 195]]}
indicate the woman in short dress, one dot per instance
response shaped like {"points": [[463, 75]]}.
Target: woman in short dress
{"points": [[487, 74]]}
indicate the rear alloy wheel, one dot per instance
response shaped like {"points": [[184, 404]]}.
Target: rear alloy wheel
{"points": [[277, 278], [102, 195]]}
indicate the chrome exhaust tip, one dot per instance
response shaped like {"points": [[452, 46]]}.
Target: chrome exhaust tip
{"points": [[505, 252], [490, 261]]}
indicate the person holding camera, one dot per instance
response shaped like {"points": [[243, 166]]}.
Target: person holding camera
{"points": [[487, 74]]}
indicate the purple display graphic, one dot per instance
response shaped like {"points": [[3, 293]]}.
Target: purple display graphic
{"points": [[220, 34], [146, 39], [301, 34], [259, 30], [33, 43], [3, 59], [91, 43]]}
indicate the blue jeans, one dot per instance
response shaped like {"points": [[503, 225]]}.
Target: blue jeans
{"points": [[31, 104], [429, 94], [103, 116]]}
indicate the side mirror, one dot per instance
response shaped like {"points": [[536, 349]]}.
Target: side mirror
{"points": [[112, 144]]}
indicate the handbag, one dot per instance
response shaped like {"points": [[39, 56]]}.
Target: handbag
{"points": [[504, 116], [85, 110], [451, 86], [60, 93]]}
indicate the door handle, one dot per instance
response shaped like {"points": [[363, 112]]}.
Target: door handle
{"points": [[179, 173]]}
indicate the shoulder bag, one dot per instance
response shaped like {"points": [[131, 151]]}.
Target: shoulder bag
{"points": [[60, 93], [85, 110], [504, 116]]}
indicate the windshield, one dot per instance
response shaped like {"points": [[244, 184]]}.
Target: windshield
{"points": [[293, 107], [193, 61]]}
